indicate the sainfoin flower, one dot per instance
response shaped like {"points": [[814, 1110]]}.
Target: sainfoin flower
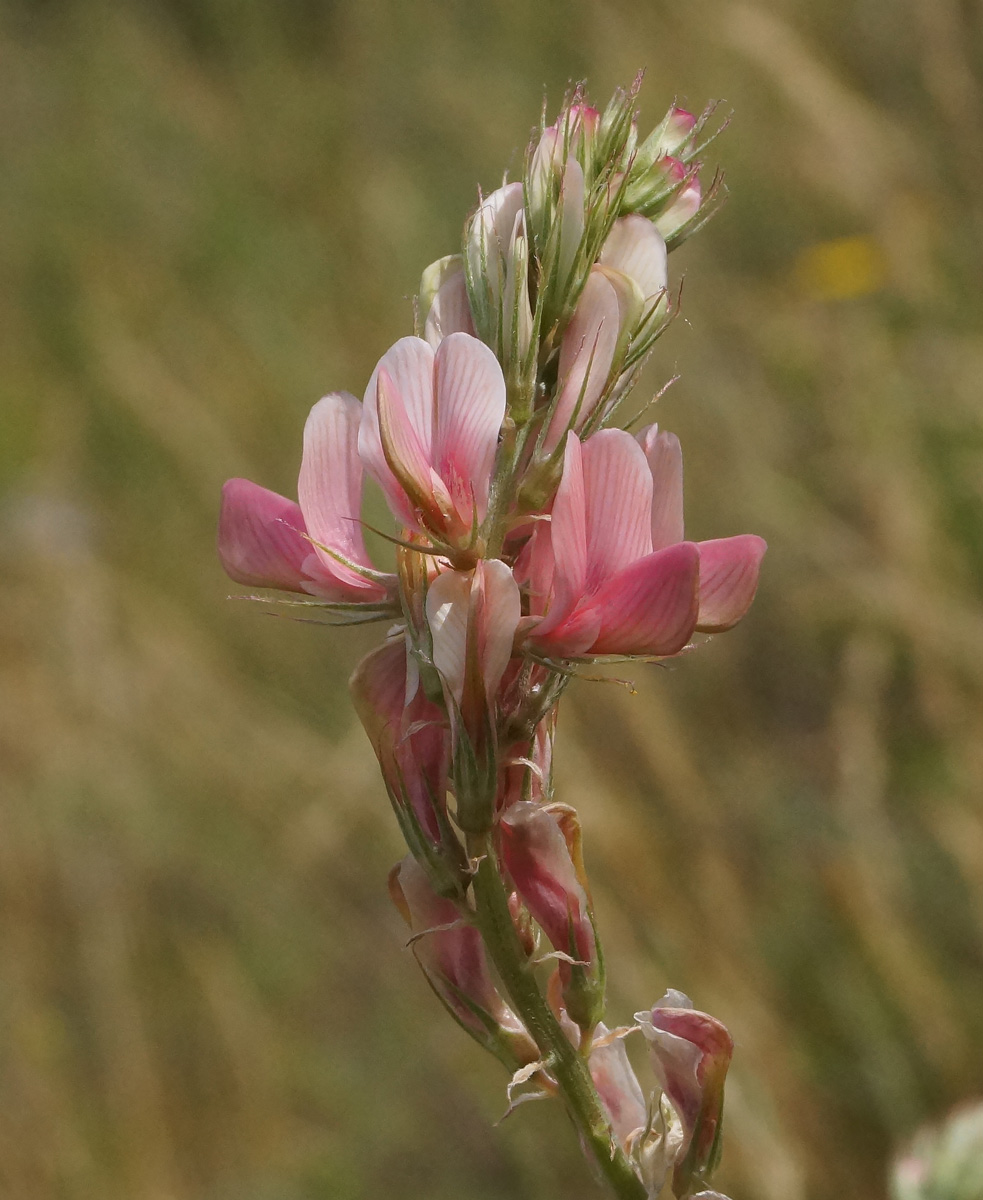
{"points": [[610, 572], [316, 546]]}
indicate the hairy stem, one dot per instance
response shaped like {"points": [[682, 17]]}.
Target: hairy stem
{"points": [[564, 1062]]}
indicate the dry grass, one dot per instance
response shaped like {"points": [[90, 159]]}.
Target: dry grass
{"points": [[210, 213]]}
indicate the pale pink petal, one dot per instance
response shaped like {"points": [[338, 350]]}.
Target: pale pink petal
{"points": [[617, 1086], [636, 247], [261, 539], [586, 356], [567, 540], [728, 580], [469, 410], [650, 607], [489, 236], [485, 601], [409, 364], [665, 460], [497, 619], [571, 215], [450, 311], [330, 487], [448, 601], [618, 491]]}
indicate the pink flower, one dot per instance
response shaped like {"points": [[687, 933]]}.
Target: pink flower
{"points": [[592, 572], [452, 956], [429, 432], [409, 736], [729, 567], [444, 300], [266, 540], [611, 574], [690, 1053], [685, 203]]}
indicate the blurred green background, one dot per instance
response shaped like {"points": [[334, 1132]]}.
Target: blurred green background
{"points": [[211, 212]]}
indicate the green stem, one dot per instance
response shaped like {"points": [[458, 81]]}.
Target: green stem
{"points": [[563, 1060]]}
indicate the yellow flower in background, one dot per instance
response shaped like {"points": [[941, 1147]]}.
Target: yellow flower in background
{"points": [[841, 268]]}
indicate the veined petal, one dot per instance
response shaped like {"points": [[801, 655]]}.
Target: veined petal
{"points": [[499, 609], [448, 601], [261, 540], [567, 539], [651, 606], [665, 460], [330, 488], [618, 492], [469, 410], [729, 570], [636, 247], [571, 215], [409, 365], [586, 357]]}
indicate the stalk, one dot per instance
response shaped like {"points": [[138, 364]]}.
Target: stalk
{"points": [[565, 1063]]}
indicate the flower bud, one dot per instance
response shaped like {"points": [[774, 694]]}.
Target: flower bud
{"points": [[450, 951], [690, 1053], [544, 869], [496, 265], [684, 201], [673, 135], [410, 739], [443, 300]]}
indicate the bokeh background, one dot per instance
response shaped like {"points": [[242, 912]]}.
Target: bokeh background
{"points": [[211, 212]]}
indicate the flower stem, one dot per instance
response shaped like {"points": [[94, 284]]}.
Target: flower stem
{"points": [[561, 1058]]}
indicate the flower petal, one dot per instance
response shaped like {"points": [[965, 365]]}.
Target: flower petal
{"points": [[649, 607], [618, 492], [330, 488], [636, 247], [489, 236], [665, 460], [566, 541], [450, 311], [261, 538], [586, 357], [469, 411], [729, 570], [409, 365]]}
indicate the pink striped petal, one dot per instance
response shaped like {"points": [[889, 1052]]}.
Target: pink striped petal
{"points": [[586, 356], [497, 618], [618, 491], [450, 311], [409, 365], [469, 410], [636, 247], [330, 488], [261, 539], [571, 215], [651, 606], [665, 460], [567, 541], [728, 580]]}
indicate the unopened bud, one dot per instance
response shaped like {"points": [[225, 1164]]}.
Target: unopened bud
{"points": [[943, 1162], [539, 861], [442, 302], [450, 951]]}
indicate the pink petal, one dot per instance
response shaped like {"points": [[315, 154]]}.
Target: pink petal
{"points": [[636, 247], [450, 311], [686, 202], [261, 539], [728, 580], [665, 460], [618, 490], [499, 611], [330, 488], [489, 236], [586, 356], [567, 540], [469, 410], [448, 600], [409, 365], [651, 606]]}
